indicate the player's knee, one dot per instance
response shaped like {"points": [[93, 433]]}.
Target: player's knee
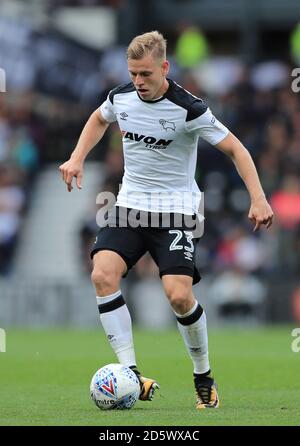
{"points": [[105, 279], [179, 296]]}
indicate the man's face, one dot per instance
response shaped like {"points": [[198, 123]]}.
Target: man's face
{"points": [[148, 76]]}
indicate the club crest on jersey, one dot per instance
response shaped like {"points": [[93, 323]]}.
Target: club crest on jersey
{"points": [[150, 141], [108, 386], [167, 125]]}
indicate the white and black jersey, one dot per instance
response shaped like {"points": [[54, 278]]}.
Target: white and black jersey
{"points": [[160, 147]]}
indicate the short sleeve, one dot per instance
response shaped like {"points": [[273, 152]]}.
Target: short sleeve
{"points": [[107, 111], [208, 127]]}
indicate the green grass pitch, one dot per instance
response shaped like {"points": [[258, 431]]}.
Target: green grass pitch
{"points": [[45, 377]]}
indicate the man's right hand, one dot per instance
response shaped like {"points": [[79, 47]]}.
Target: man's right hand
{"points": [[72, 169]]}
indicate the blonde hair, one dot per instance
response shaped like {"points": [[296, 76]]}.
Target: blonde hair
{"points": [[148, 43]]}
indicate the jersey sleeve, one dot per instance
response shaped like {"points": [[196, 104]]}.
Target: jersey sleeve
{"points": [[208, 127], [107, 110]]}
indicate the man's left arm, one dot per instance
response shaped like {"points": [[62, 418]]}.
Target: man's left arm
{"points": [[260, 211]]}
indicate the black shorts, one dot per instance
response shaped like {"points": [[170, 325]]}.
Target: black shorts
{"points": [[173, 250]]}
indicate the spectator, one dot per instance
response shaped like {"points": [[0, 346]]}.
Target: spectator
{"points": [[11, 204], [237, 294]]}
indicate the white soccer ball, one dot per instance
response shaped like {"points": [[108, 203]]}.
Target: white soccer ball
{"points": [[115, 386]]}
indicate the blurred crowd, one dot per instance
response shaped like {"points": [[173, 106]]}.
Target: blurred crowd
{"points": [[255, 102], [19, 160]]}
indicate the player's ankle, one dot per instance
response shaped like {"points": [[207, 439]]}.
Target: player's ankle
{"points": [[135, 370], [203, 375]]}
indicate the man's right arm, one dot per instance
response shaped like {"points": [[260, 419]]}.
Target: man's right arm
{"points": [[91, 134]]}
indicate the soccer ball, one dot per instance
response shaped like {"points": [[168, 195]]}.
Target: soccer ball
{"points": [[115, 386]]}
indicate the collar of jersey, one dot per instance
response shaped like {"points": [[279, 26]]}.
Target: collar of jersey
{"points": [[158, 99]]}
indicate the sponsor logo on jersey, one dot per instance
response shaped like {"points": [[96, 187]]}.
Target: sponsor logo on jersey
{"points": [[166, 125], [124, 116], [150, 141]]}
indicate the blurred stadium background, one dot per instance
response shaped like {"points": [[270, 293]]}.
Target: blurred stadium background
{"points": [[60, 59]]}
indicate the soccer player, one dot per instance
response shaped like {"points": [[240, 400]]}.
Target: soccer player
{"points": [[160, 123]]}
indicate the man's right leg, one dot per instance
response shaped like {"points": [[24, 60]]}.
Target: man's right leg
{"points": [[108, 269], [114, 315]]}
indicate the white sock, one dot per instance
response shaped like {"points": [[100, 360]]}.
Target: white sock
{"points": [[192, 326], [116, 322]]}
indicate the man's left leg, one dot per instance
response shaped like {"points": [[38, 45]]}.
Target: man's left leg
{"points": [[191, 321]]}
